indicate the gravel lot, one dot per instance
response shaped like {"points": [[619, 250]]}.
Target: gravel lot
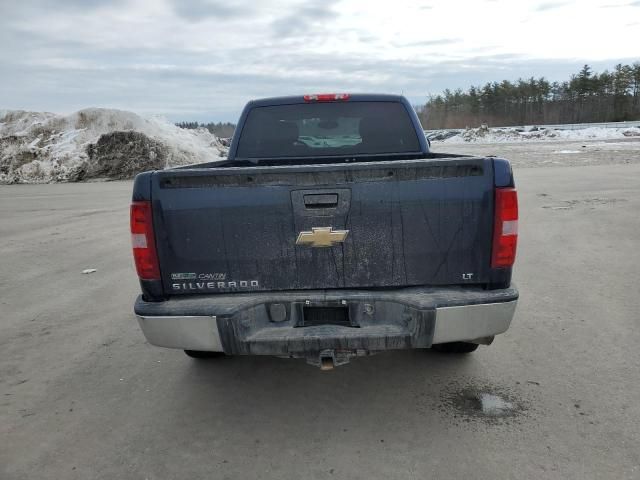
{"points": [[82, 396], [554, 153]]}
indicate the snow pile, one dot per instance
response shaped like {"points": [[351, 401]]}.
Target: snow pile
{"points": [[485, 134], [40, 147]]}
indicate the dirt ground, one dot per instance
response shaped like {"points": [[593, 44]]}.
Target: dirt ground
{"points": [[82, 396], [553, 153]]}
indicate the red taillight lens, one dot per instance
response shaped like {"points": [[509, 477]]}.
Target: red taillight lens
{"points": [[505, 229], [143, 241], [326, 97]]}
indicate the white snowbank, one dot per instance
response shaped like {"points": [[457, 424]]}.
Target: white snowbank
{"points": [[496, 135], [45, 147]]}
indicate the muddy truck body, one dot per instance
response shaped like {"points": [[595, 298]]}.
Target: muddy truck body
{"points": [[330, 231]]}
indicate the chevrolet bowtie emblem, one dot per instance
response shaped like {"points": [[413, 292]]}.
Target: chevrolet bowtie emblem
{"points": [[322, 237]]}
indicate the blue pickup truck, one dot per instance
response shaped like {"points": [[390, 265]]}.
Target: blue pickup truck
{"points": [[330, 231]]}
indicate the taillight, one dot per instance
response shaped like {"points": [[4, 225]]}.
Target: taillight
{"points": [[143, 241], [326, 97], [505, 228]]}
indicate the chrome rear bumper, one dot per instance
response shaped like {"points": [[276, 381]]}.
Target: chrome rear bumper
{"points": [[387, 320], [472, 322], [184, 332]]}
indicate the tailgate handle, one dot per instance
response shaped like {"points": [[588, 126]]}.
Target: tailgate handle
{"points": [[321, 200]]}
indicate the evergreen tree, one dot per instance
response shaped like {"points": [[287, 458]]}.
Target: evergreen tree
{"points": [[586, 97]]}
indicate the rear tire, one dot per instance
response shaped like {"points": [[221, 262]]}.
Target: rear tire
{"points": [[456, 347], [199, 354]]}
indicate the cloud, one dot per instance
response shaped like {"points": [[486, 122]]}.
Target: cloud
{"points": [[304, 18], [622, 5], [550, 6], [198, 10], [204, 59], [428, 43], [635, 3]]}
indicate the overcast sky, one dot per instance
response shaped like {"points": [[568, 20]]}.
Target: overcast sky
{"points": [[203, 59]]}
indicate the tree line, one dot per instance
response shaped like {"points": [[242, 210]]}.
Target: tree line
{"points": [[220, 129], [586, 97]]}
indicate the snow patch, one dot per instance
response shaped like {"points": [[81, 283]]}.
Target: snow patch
{"points": [[37, 147], [486, 134], [494, 405]]}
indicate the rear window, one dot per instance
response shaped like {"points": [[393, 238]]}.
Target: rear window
{"points": [[321, 129]]}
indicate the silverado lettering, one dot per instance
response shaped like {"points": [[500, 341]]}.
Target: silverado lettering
{"points": [[214, 285]]}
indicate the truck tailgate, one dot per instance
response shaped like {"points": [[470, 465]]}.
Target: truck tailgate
{"points": [[389, 224]]}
